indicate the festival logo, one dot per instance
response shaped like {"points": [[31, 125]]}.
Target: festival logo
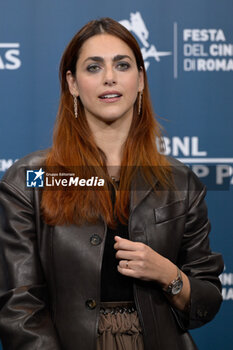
{"points": [[226, 279], [137, 26], [6, 164], [9, 56], [203, 49], [207, 50]]}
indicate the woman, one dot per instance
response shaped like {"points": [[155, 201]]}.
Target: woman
{"points": [[127, 266]]}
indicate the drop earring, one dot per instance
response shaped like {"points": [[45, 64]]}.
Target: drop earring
{"points": [[75, 106], [140, 102]]}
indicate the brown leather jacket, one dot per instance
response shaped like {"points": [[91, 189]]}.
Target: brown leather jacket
{"points": [[50, 276]]}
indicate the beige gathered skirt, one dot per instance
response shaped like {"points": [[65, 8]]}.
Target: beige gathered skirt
{"points": [[119, 330]]}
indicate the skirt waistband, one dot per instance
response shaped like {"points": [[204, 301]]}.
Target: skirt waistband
{"points": [[114, 307]]}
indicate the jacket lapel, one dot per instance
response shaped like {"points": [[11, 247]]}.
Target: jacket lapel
{"points": [[140, 189]]}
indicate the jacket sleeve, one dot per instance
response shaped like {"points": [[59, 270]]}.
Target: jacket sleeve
{"points": [[25, 322], [198, 262]]}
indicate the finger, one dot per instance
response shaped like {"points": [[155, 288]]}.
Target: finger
{"points": [[127, 255], [124, 264], [123, 243], [126, 244], [133, 273], [126, 271]]}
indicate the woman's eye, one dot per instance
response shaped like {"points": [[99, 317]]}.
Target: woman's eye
{"points": [[93, 68], [123, 66]]}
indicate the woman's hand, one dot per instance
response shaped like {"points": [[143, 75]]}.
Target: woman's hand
{"points": [[140, 261]]}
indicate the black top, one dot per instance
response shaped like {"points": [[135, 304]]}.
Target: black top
{"points": [[114, 285]]}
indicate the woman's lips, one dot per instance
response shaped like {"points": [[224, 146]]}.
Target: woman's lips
{"points": [[109, 97]]}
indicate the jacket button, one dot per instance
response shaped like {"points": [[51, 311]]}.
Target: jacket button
{"points": [[91, 304], [95, 239], [199, 313]]}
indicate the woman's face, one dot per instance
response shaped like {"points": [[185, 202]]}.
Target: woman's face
{"points": [[107, 79]]}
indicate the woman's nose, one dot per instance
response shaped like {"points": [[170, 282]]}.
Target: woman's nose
{"points": [[110, 76]]}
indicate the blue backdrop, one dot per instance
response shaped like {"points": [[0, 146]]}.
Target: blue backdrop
{"points": [[188, 51]]}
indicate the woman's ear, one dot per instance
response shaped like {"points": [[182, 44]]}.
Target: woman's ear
{"points": [[71, 81]]}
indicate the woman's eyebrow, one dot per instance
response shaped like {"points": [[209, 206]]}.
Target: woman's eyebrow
{"points": [[101, 59], [120, 57]]}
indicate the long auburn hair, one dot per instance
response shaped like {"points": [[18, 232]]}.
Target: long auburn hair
{"points": [[74, 145]]}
